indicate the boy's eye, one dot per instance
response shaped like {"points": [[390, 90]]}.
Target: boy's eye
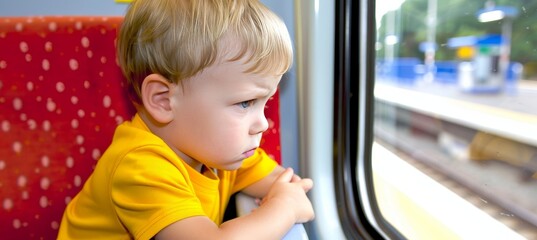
{"points": [[246, 104]]}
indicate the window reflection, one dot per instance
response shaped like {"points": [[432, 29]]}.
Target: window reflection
{"points": [[455, 87]]}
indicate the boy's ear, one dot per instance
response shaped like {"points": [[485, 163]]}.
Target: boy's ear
{"points": [[156, 97]]}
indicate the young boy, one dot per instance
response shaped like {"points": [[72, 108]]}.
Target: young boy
{"points": [[200, 73]]}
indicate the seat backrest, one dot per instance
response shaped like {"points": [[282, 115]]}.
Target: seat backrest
{"points": [[61, 97]]}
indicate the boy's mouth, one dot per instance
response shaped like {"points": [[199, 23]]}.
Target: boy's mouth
{"points": [[249, 153]]}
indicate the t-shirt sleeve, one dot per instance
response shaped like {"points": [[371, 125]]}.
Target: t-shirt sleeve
{"points": [[254, 169], [149, 193]]}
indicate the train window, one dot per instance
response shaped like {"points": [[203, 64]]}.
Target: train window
{"points": [[454, 147]]}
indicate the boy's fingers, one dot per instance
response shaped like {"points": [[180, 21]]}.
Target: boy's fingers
{"points": [[306, 184], [286, 175], [296, 178]]}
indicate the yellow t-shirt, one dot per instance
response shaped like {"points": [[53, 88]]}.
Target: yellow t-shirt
{"points": [[140, 186]]}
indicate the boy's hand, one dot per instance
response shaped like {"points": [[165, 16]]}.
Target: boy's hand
{"points": [[291, 191]]}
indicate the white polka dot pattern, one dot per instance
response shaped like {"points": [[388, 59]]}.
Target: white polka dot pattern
{"points": [[61, 97], [57, 90]]}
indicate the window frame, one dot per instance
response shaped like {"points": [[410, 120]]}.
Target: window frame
{"points": [[354, 77]]}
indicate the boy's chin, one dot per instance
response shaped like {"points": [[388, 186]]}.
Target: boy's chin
{"points": [[232, 166]]}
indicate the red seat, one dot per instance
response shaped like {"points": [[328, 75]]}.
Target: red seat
{"points": [[61, 97]]}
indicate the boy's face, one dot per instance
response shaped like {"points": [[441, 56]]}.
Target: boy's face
{"points": [[219, 115]]}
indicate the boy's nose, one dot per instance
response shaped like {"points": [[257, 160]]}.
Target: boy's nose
{"points": [[260, 125]]}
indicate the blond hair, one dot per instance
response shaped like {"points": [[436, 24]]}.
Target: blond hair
{"points": [[179, 38]]}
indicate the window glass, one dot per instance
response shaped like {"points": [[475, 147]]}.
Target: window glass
{"points": [[455, 147]]}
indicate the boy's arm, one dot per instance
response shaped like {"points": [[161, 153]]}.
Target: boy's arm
{"points": [[284, 205], [260, 188]]}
